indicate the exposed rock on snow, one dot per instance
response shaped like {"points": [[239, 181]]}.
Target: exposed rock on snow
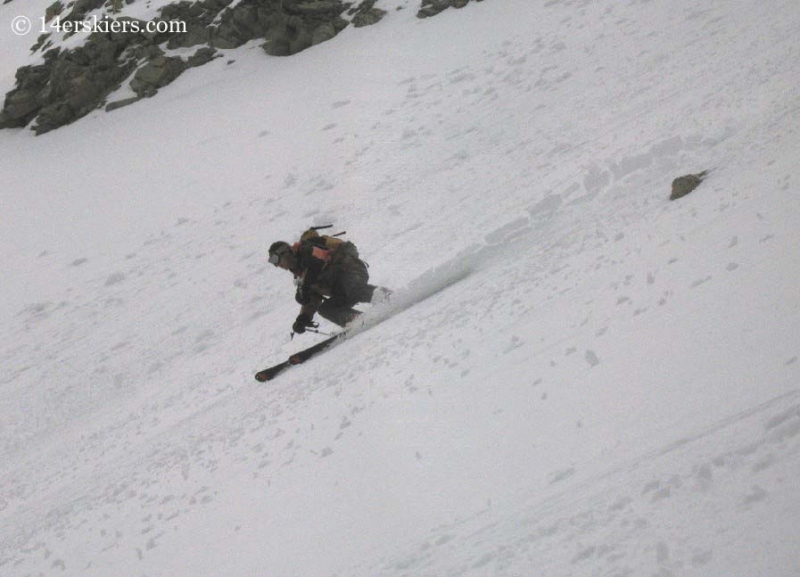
{"points": [[53, 10], [684, 185], [72, 83], [366, 14], [157, 73], [434, 7], [81, 9], [69, 84]]}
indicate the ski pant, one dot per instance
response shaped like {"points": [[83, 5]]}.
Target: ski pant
{"points": [[349, 284]]}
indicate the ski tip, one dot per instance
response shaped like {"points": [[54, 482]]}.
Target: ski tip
{"points": [[264, 376]]}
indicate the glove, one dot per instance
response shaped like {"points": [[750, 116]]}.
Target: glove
{"points": [[302, 322]]}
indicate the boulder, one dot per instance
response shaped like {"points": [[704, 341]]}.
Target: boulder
{"points": [[79, 81], [323, 33], [156, 74], [238, 26], [53, 10], [430, 8], [216, 5], [116, 105], [686, 184], [81, 8], [53, 116], [23, 103], [287, 36], [196, 16], [20, 108], [315, 8], [368, 17], [42, 42], [195, 34], [202, 56]]}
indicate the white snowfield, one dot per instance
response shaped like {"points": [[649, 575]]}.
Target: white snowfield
{"points": [[612, 388]]}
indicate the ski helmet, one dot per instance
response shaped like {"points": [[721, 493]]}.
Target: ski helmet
{"points": [[277, 250]]}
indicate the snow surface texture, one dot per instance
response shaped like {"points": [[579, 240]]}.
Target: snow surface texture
{"points": [[611, 389]]}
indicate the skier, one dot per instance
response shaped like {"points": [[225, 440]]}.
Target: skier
{"points": [[330, 278]]}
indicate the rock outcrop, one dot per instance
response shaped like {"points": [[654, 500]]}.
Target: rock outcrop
{"points": [[366, 14], [69, 84], [433, 7], [72, 83]]}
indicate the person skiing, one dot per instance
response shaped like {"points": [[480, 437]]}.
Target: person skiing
{"points": [[330, 278]]}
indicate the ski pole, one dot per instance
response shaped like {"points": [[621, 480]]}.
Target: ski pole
{"points": [[324, 334]]}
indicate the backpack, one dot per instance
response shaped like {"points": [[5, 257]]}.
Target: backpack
{"points": [[336, 247]]}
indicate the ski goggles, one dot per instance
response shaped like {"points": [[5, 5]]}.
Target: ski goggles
{"points": [[275, 257]]}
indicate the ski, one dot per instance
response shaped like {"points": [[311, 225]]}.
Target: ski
{"points": [[297, 358], [399, 303]]}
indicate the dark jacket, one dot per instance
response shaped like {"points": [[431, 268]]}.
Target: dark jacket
{"points": [[322, 272]]}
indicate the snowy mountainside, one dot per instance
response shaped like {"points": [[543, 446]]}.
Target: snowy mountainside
{"points": [[612, 389]]}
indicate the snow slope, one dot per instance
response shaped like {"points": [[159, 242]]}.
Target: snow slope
{"points": [[611, 389]]}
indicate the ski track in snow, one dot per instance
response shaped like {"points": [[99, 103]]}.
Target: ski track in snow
{"points": [[626, 518], [610, 388]]}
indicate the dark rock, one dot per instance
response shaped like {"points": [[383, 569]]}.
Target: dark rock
{"points": [[54, 116], [201, 57], [286, 37], [368, 17], [339, 24], [195, 34], [430, 8], [72, 83], [196, 16], [318, 8], [116, 105], [123, 35], [81, 8], [684, 185], [156, 74], [145, 52], [20, 108], [40, 42], [80, 80], [186, 11], [323, 33], [53, 10], [24, 102], [216, 5], [238, 26]]}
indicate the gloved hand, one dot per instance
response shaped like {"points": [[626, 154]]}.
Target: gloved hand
{"points": [[303, 322]]}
